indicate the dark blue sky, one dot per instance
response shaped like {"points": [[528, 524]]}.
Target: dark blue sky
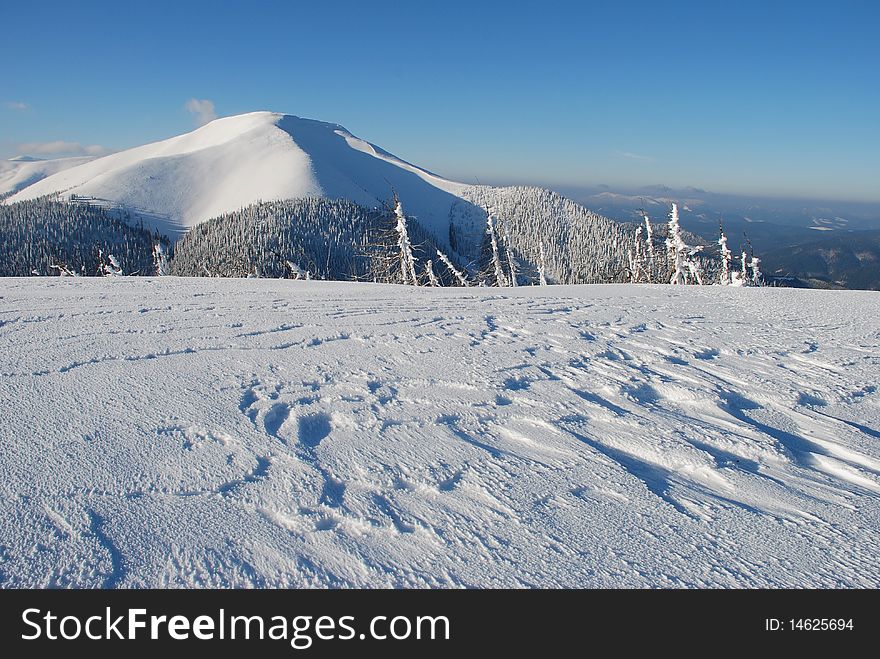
{"points": [[776, 98]]}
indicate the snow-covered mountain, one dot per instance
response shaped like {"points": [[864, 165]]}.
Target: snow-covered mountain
{"points": [[232, 165], [18, 173], [236, 161]]}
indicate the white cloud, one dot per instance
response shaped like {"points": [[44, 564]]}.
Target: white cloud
{"points": [[17, 106], [201, 110], [96, 150], [61, 148]]}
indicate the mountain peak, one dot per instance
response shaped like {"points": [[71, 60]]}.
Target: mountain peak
{"points": [[235, 161]]}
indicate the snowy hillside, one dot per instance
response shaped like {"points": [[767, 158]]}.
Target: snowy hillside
{"points": [[234, 166], [19, 173], [208, 432], [237, 161]]}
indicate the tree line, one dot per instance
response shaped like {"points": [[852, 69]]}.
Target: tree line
{"points": [[500, 237]]}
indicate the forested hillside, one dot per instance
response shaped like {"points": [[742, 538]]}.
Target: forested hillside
{"points": [[49, 237]]}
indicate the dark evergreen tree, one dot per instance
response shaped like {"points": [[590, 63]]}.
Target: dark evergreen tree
{"points": [[50, 237]]}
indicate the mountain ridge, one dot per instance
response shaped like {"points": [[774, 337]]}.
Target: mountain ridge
{"points": [[233, 162]]}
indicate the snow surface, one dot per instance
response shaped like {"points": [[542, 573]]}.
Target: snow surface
{"points": [[207, 432], [236, 161], [18, 173]]}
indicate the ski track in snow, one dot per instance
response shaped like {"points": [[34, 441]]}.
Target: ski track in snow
{"points": [[204, 432]]}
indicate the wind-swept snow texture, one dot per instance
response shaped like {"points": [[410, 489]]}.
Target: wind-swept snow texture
{"points": [[205, 432], [233, 162]]}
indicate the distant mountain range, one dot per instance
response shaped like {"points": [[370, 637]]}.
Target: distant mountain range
{"points": [[801, 242]]}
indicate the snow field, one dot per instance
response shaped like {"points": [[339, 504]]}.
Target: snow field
{"points": [[208, 432]]}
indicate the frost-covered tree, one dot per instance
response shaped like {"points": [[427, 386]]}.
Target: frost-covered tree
{"points": [[294, 271], [497, 270], [638, 266], [407, 262], [651, 265], [676, 248], [62, 270], [695, 271], [755, 264], [160, 260], [458, 274], [684, 262], [429, 273], [542, 266], [511, 262], [724, 278]]}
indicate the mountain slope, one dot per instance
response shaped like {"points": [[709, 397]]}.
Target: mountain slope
{"points": [[851, 260], [18, 173], [235, 161]]}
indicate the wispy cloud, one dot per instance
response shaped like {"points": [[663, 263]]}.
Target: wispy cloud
{"points": [[201, 110], [634, 156], [18, 106], [61, 148]]}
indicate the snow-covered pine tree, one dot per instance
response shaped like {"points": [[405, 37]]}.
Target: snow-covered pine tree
{"points": [[633, 268], [511, 263], [695, 271], [684, 263], [650, 265], [638, 260], [498, 271], [458, 274], [429, 273], [160, 260], [724, 277], [542, 266], [294, 271], [676, 248], [407, 262], [755, 264]]}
